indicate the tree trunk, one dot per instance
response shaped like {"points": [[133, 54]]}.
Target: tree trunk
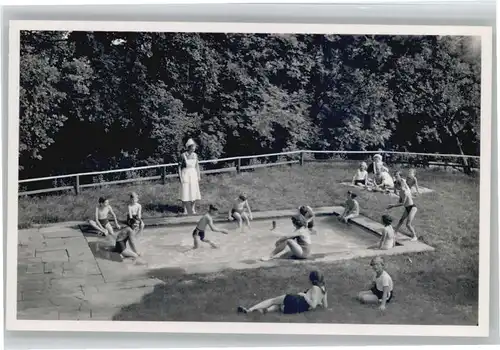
{"points": [[465, 161]]}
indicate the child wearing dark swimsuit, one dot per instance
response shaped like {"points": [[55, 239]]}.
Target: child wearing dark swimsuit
{"points": [[206, 220], [295, 303]]}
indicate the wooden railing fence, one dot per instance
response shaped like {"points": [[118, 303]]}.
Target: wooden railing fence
{"points": [[77, 186]]}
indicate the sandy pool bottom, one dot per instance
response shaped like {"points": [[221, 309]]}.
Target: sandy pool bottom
{"points": [[171, 247]]}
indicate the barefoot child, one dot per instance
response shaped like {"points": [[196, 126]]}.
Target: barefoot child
{"points": [[308, 214], [310, 299], [239, 212], [388, 239], [101, 222], [351, 208], [406, 201], [206, 220], [381, 291], [411, 180], [135, 211], [361, 176], [128, 235], [299, 242]]}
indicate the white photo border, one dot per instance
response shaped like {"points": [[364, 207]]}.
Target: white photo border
{"points": [[481, 330]]}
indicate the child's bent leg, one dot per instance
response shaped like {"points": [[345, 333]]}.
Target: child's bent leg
{"points": [[295, 248], [128, 253], [110, 229], [409, 222], [266, 304], [367, 297], [212, 244], [246, 219], [195, 241], [96, 227], [401, 221], [237, 217]]}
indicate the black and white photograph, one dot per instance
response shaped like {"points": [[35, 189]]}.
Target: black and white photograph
{"points": [[249, 178]]}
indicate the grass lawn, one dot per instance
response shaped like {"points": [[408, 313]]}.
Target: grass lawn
{"points": [[437, 288]]}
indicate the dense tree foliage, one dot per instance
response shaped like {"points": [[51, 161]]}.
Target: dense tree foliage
{"points": [[103, 100]]}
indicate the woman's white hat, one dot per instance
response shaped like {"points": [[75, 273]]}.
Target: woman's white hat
{"points": [[190, 142], [377, 156]]}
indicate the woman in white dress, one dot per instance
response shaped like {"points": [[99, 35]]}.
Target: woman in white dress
{"points": [[189, 174]]}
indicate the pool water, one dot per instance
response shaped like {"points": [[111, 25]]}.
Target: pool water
{"points": [[171, 246]]}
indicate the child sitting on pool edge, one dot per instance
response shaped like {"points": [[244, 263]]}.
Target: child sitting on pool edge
{"points": [[206, 220], [351, 208], [381, 290], [239, 212], [388, 239], [135, 211], [101, 222]]}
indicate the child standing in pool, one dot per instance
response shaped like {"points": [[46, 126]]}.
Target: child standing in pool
{"points": [[411, 180], [101, 223], [135, 211], [351, 208], [381, 291], [206, 220], [406, 201], [239, 212], [361, 176]]}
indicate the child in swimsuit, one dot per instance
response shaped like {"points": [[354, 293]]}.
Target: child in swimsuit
{"points": [[206, 220], [381, 288], [299, 242], [101, 223], [361, 176], [388, 239], [128, 235], [351, 208], [411, 180], [135, 211], [239, 212], [308, 300], [406, 200], [308, 214], [385, 181]]}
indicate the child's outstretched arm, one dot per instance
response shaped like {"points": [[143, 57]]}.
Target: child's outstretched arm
{"points": [[133, 244], [114, 217], [385, 296], [416, 186], [249, 210], [215, 228]]}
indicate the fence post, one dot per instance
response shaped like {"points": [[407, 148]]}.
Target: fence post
{"points": [[238, 166], [301, 158], [164, 175], [77, 185]]}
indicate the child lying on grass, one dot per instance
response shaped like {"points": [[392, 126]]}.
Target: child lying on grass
{"points": [[308, 300]]}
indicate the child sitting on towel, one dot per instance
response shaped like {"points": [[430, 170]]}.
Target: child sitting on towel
{"points": [[239, 212], [385, 181], [351, 208], [361, 176]]}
